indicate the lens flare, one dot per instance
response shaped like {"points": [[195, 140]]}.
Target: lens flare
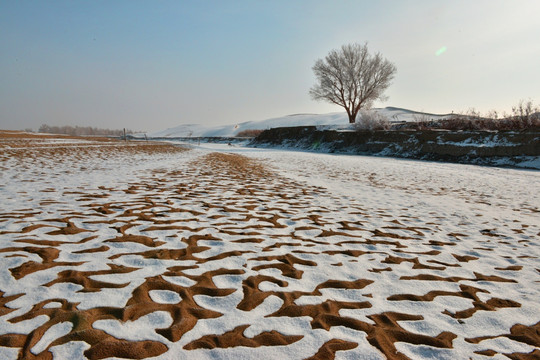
{"points": [[441, 51]]}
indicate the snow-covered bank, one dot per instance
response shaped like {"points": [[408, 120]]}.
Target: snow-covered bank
{"points": [[503, 148]]}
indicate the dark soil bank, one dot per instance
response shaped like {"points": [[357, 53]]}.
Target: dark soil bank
{"points": [[502, 148]]}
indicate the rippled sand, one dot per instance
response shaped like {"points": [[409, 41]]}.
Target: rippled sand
{"points": [[139, 250]]}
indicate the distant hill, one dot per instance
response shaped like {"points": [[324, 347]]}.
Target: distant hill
{"points": [[337, 120]]}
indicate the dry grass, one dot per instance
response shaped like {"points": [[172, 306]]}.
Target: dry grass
{"points": [[249, 133], [236, 166], [468, 123], [20, 145], [524, 116]]}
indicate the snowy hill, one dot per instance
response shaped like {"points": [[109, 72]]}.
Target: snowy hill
{"points": [[335, 120]]}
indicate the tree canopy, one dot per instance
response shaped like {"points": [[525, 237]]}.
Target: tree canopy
{"points": [[352, 78]]}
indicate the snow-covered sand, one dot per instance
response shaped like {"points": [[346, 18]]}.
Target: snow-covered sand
{"points": [[113, 250]]}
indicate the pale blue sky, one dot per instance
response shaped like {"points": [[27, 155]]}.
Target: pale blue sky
{"points": [[150, 65]]}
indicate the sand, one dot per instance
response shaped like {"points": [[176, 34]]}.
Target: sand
{"points": [[139, 250]]}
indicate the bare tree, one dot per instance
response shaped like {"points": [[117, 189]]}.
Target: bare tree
{"points": [[352, 78]]}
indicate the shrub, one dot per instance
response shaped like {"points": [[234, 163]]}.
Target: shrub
{"points": [[525, 115], [371, 121]]}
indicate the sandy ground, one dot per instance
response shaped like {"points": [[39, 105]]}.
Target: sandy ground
{"points": [[141, 250]]}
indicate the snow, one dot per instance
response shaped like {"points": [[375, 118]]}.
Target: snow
{"points": [[140, 329], [53, 333], [434, 198], [337, 120], [164, 296]]}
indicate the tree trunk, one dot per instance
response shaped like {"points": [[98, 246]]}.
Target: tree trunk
{"points": [[352, 118]]}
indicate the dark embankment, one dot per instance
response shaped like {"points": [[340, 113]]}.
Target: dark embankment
{"points": [[502, 148], [200, 139]]}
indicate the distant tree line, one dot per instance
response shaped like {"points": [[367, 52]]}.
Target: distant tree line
{"points": [[81, 131]]}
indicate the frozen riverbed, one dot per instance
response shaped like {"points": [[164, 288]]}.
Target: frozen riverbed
{"points": [[122, 250]]}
